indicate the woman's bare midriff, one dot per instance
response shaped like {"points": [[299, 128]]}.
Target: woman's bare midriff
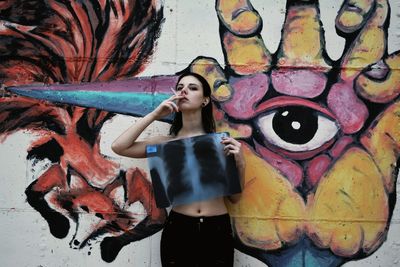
{"points": [[211, 207]]}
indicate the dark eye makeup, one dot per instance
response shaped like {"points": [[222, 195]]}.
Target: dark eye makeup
{"points": [[191, 87]]}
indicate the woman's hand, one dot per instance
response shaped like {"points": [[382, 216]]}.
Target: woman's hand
{"points": [[233, 147], [167, 107]]}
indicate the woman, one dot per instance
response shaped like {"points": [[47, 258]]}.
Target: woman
{"points": [[196, 234]]}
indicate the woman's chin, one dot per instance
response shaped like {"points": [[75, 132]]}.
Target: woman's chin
{"points": [[186, 106]]}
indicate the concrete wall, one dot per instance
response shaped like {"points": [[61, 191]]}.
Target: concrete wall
{"points": [[322, 197]]}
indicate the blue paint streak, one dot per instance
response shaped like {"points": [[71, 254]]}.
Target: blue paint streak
{"points": [[130, 103]]}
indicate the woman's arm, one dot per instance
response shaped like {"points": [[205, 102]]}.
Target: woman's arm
{"points": [[127, 145]]}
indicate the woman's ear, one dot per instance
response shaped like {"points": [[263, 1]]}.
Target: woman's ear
{"points": [[206, 101]]}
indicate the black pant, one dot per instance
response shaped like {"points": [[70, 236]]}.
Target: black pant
{"points": [[197, 241]]}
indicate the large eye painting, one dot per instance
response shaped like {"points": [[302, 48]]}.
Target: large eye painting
{"points": [[297, 128]]}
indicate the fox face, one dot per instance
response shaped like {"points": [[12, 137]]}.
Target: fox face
{"points": [[97, 214]]}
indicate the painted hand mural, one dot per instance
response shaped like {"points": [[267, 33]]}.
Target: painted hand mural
{"points": [[321, 136], [73, 42]]}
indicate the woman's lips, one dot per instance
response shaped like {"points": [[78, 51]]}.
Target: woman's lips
{"points": [[183, 99]]}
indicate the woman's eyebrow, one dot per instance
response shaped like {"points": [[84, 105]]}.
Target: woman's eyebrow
{"points": [[181, 84]]}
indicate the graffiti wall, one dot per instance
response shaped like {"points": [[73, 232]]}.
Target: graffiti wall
{"points": [[310, 88]]}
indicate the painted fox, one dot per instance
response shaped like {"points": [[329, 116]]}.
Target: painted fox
{"points": [[125, 211]]}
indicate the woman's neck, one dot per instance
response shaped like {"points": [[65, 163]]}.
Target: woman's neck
{"points": [[191, 124]]}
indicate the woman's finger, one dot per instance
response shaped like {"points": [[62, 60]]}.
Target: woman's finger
{"points": [[174, 106], [230, 140], [170, 107], [174, 97], [232, 148], [226, 140]]}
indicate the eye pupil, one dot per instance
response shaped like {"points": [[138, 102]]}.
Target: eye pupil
{"points": [[296, 124]]}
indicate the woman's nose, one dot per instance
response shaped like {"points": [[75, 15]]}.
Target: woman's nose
{"points": [[184, 91]]}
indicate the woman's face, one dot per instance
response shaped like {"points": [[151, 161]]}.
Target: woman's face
{"points": [[192, 90]]}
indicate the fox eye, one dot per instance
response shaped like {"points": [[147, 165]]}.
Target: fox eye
{"points": [[297, 128]]}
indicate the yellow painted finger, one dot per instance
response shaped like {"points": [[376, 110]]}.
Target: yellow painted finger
{"points": [[349, 211], [238, 16], [302, 23], [352, 15], [382, 140], [246, 56], [382, 84], [245, 52], [213, 73], [269, 212], [370, 44]]}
